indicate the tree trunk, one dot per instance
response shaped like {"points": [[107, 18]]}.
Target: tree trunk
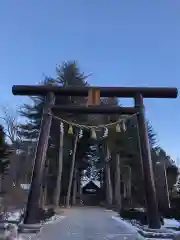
{"points": [[74, 187], [109, 187], [127, 180], [71, 172], [26, 179], [118, 182], [129, 188], [1, 177], [59, 173], [43, 196], [101, 178], [161, 187], [78, 186], [108, 180], [125, 190], [41, 203]]}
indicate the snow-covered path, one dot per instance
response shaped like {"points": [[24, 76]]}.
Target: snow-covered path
{"points": [[87, 223]]}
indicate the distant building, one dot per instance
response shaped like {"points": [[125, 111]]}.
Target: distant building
{"points": [[91, 192]]}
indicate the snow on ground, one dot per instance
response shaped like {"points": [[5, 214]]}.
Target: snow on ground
{"points": [[14, 215], [171, 226], [140, 209], [169, 223], [54, 219]]}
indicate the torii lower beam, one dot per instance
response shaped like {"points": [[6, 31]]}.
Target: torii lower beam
{"points": [[95, 109]]}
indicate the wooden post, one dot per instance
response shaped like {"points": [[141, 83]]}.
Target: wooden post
{"points": [[149, 185], [59, 172], [32, 207], [71, 172]]}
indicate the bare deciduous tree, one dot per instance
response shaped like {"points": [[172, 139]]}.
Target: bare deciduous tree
{"points": [[11, 125], [9, 120]]}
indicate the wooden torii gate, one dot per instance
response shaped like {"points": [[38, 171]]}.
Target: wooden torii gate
{"points": [[137, 93]]}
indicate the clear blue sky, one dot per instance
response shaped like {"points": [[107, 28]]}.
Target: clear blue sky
{"points": [[122, 43]]}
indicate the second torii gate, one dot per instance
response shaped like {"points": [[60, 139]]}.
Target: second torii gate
{"points": [[136, 93]]}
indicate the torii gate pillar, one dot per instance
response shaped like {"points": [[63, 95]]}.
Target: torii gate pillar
{"points": [[146, 163]]}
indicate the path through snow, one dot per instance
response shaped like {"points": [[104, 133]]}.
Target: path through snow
{"points": [[87, 223]]}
